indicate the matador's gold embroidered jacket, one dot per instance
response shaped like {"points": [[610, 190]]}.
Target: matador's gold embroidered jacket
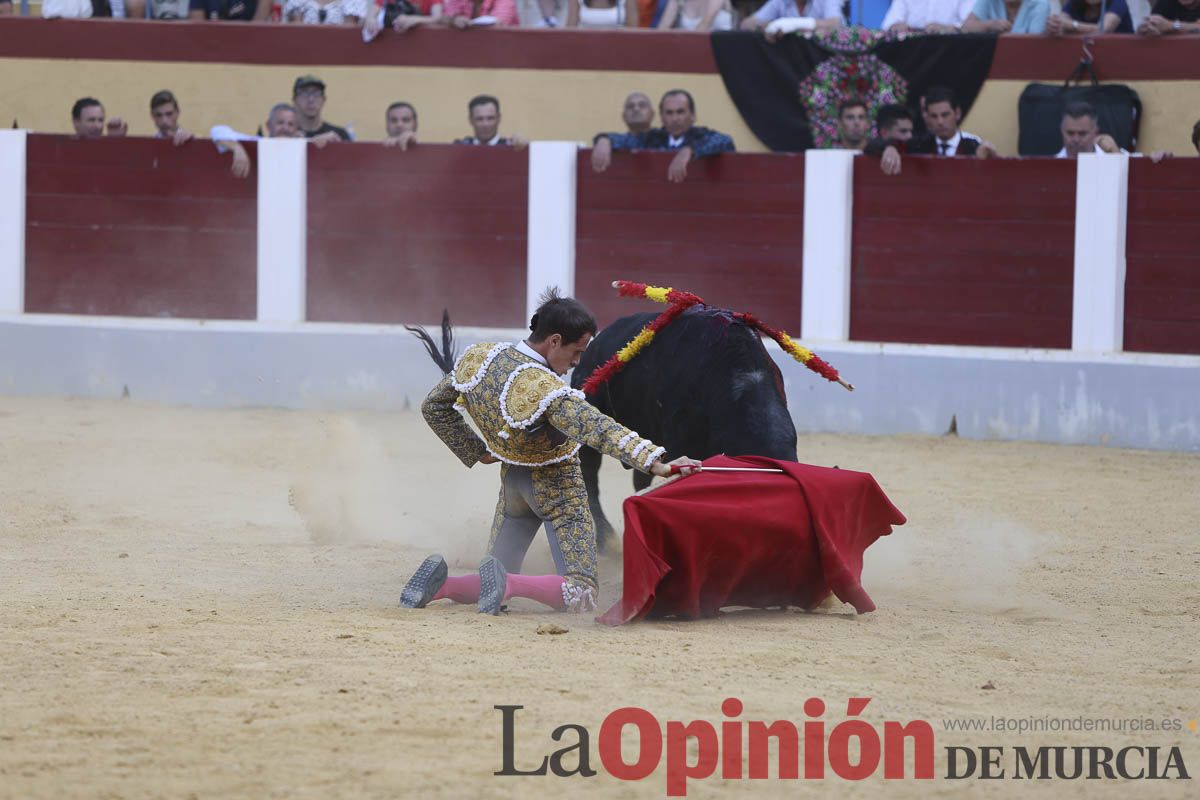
{"points": [[528, 415]]}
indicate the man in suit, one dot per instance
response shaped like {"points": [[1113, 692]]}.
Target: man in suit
{"points": [[483, 112], [679, 134], [943, 137]]}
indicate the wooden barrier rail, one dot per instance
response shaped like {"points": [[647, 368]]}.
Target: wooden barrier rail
{"points": [[953, 251]]}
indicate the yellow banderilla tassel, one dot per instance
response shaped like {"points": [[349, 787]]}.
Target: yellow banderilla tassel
{"points": [[635, 345], [658, 293]]}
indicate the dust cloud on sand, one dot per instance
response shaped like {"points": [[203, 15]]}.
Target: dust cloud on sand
{"points": [[172, 626]]}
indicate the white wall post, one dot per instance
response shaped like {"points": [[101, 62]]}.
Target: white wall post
{"points": [[282, 229], [12, 221], [828, 212], [1101, 199], [551, 228]]}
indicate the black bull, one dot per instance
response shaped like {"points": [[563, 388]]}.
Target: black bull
{"points": [[704, 386]]}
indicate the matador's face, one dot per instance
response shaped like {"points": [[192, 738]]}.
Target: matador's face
{"points": [[564, 357]]}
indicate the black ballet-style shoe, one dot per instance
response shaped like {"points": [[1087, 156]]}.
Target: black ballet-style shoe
{"points": [[424, 583], [493, 581]]}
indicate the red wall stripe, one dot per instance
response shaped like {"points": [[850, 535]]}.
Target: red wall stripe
{"points": [[1162, 278], [1017, 57], [138, 227], [964, 251], [731, 233], [396, 236]]}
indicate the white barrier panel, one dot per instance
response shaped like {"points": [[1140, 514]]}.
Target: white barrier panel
{"points": [[551, 228], [282, 229], [828, 211], [1101, 198], [1121, 400], [12, 222]]}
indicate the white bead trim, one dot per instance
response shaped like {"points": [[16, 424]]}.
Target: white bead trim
{"points": [[653, 455], [516, 463], [642, 445], [503, 434], [626, 439], [487, 362], [578, 598], [542, 406]]}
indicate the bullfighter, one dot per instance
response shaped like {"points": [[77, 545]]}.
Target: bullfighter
{"points": [[533, 423]]}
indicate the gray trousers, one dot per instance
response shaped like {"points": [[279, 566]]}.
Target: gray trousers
{"points": [[553, 496]]}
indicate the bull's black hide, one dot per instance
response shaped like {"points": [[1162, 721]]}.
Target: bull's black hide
{"points": [[704, 386]]}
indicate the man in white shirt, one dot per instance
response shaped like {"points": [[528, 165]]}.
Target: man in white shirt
{"points": [[824, 14], [930, 16], [282, 123], [1081, 133]]}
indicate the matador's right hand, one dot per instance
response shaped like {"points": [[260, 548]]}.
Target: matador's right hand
{"points": [[686, 465]]}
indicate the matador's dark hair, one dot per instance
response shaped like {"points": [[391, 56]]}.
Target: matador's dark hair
{"points": [[562, 315]]}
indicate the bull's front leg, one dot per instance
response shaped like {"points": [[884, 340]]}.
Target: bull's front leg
{"points": [[589, 461]]}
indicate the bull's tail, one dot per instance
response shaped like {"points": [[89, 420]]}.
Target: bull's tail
{"points": [[446, 357]]}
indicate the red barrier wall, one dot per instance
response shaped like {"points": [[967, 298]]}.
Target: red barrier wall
{"points": [[138, 227], [732, 233], [398, 236], [1162, 246], [964, 251]]}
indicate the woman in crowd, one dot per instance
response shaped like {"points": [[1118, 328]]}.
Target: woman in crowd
{"points": [[697, 15], [325, 12], [1008, 16], [602, 14]]}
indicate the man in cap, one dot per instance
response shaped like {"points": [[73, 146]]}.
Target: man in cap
{"points": [[308, 96]]}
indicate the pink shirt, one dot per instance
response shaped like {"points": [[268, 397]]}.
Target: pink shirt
{"points": [[505, 11]]}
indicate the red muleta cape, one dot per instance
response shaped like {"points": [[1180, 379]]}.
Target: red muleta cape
{"points": [[754, 539]]}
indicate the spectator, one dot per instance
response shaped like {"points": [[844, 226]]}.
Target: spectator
{"points": [[1170, 17], [1196, 137], [461, 12], [483, 112], [944, 138], [282, 123], [549, 11], [308, 96], [602, 14], [1081, 133], [73, 9], [6, 8], [679, 133], [401, 122], [399, 15], [87, 115], [638, 112], [159, 9], [930, 16], [1080, 17], [132, 9], [1008, 16], [325, 12], [895, 126], [853, 125], [697, 15], [237, 10], [164, 110], [824, 14]]}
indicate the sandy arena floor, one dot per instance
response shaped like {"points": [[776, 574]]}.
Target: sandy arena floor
{"points": [[173, 625]]}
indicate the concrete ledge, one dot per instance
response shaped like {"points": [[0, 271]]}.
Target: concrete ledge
{"points": [[1143, 401]]}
